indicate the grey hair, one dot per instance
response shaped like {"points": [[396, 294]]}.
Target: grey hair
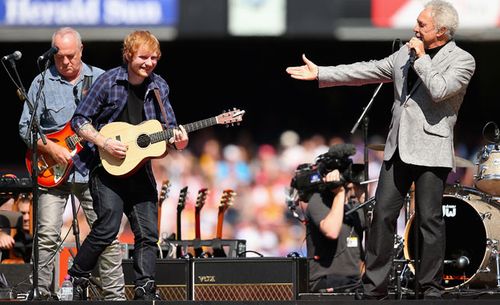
{"points": [[67, 30], [444, 15]]}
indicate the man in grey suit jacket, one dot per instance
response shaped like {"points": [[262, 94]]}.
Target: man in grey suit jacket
{"points": [[430, 75]]}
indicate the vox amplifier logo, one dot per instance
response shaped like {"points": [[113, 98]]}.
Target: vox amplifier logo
{"points": [[206, 278]]}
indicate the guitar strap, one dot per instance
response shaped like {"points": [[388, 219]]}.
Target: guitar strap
{"points": [[158, 99], [87, 82]]}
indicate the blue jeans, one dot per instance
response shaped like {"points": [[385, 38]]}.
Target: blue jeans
{"points": [[51, 205], [136, 196]]}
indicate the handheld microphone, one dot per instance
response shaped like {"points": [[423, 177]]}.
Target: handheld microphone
{"points": [[15, 56], [49, 53], [413, 56]]}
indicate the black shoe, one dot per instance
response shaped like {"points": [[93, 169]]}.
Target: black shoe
{"points": [[146, 292], [80, 285], [433, 294], [360, 295], [42, 297]]}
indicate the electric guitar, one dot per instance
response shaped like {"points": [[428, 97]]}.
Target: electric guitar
{"points": [[200, 202], [226, 201], [50, 173], [165, 189], [180, 206], [148, 140]]}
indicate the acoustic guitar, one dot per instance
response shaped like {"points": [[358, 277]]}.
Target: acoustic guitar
{"points": [[148, 140]]}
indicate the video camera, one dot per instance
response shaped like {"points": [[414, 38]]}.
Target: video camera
{"points": [[308, 177]]}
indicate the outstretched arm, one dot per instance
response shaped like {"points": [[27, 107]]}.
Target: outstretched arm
{"points": [[309, 71]]}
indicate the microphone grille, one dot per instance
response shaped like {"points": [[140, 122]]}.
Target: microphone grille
{"points": [[17, 55]]}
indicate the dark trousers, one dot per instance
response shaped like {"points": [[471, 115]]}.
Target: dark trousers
{"points": [[136, 197], [395, 180]]}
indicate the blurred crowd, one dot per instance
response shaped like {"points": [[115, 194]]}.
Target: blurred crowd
{"points": [[260, 175]]}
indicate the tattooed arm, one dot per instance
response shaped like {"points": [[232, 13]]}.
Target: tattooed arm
{"points": [[112, 146]]}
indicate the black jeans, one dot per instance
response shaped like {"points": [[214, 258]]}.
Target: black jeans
{"points": [[395, 180], [136, 197]]}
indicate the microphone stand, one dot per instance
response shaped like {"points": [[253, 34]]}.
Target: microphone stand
{"points": [[364, 119], [34, 131]]}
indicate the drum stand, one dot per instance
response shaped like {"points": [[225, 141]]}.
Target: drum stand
{"points": [[494, 252], [400, 266]]}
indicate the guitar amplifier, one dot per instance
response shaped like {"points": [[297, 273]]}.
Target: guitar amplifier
{"points": [[249, 279], [172, 279]]}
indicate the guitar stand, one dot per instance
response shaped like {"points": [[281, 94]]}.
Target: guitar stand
{"points": [[236, 247]]}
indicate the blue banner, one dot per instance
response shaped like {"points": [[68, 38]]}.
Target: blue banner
{"points": [[102, 13]]}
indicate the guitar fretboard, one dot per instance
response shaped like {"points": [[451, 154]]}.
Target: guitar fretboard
{"points": [[167, 134], [72, 140]]}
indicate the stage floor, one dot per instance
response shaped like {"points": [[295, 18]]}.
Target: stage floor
{"points": [[456, 298]]}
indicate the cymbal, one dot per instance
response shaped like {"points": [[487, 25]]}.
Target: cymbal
{"points": [[377, 147], [461, 162]]}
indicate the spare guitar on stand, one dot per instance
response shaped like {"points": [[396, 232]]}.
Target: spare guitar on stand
{"points": [[225, 202], [180, 207], [200, 202], [165, 189]]}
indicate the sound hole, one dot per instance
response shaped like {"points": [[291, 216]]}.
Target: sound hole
{"points": [[143, 140]]}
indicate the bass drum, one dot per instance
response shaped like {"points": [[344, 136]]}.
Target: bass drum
{"points": [[472, 223]]}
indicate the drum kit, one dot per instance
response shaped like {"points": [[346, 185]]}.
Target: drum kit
{"points": [[472, 220]]}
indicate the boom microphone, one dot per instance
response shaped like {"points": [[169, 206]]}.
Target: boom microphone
{"points": [[461, 262], [15, 56], [49, 53], [342, 150]]}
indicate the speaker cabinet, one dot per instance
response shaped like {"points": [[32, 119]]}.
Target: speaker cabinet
{"points": [[249, 279], [226, 279], [172, 279]]}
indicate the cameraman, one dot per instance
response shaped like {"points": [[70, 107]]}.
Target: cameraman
{"points": [[334, 246]]}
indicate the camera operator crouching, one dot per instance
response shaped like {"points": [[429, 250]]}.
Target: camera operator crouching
{"points": [[331, 187]]}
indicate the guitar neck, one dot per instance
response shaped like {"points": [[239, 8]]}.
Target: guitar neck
{"points": [[168, 133], [73, 140], [197, 219], [220, 222], [179, 225]]}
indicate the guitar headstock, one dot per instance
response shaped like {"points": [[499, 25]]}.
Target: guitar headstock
{"points": [[227, 199], [182, 199], [165, 189], [201, 199], [230, 117]]}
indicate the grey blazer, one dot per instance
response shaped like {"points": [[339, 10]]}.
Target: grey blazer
{"points": [[423, 117]]}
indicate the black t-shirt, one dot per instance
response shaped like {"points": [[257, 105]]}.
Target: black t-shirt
{"points": [[341, 257], [133, 112]]}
